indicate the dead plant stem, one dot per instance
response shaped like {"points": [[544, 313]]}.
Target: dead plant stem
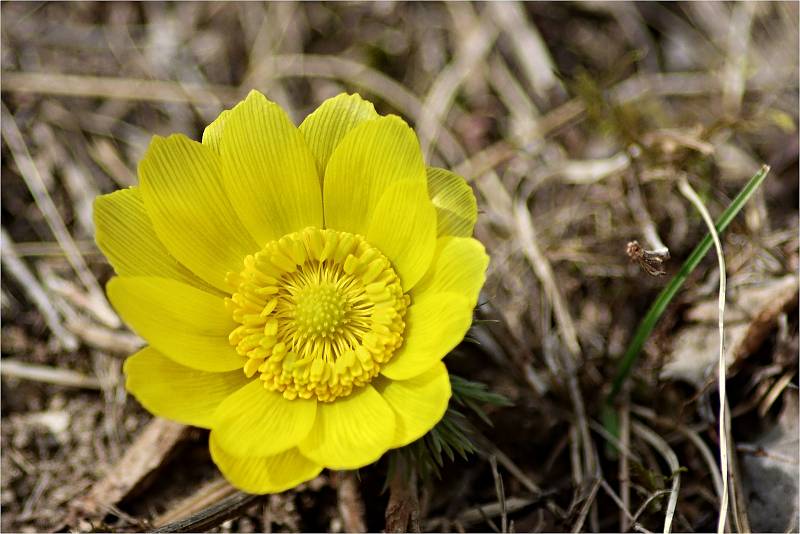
{"points": [[724, 427]]}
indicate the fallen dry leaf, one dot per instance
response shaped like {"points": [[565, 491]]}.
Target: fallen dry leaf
{"points": [[750, 315]]}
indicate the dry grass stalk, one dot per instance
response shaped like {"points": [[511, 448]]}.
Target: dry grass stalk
{"points": [[117, 88], [587, 504], [50, 375], [724, 418]]}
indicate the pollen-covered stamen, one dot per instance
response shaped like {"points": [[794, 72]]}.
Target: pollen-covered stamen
{"points": [[319, 312]]}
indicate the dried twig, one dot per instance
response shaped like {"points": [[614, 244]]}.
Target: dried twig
{"points": [[402, 511], [51, 375], [214, 516], [215, 491]]}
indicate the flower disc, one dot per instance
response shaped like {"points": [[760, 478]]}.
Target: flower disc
{"points": [[319, 312]]}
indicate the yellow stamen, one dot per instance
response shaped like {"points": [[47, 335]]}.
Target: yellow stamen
{"points": [[319, 311]]}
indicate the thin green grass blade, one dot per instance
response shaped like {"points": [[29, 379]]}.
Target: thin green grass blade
{"points": [[660, 304]]}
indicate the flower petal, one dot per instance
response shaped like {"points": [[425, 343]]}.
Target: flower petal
{"points": [[124, 233], [330, 122], [170, 390], [370, 158], [255, 421], [182, 191], [456, 208], [404, 229], [186, 324], [212, 135], [266, 474], [459, 266], [435, 324], [270, 174], [419, 403], [352, 431]]}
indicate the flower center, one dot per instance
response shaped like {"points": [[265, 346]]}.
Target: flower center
{"points": [[319, 311]]}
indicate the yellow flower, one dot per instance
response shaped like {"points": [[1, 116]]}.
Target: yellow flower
{"points": [[298, 287]]}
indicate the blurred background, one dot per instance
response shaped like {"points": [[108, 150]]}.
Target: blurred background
{"points": [[573, 122]]}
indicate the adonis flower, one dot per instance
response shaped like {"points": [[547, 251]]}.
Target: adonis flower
{"points": [[298, 287]]}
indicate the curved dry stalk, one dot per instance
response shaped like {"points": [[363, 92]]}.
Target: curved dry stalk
{"points": [[692, 436], [707, 455], [724, 426], [658, 443], [644, 506]]}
